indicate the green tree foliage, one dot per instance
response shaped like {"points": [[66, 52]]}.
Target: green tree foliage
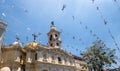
{"points": [[98, 56]]}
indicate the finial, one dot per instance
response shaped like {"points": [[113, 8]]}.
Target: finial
{"points": [[17, 38], [52, 23], [35, 36]]}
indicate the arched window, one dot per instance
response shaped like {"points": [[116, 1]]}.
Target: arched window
{"points": [[50, 37], [53, 58], [36, 56], [59, 60], [57, 44], [51, 44], [23, 67], [65, 60], [20, 58], [44, 56], [10, 68], [56, 35]]}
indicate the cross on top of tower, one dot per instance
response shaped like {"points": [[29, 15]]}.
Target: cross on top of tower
{"points": [[17, 38], [34, 36], [53, 25]]}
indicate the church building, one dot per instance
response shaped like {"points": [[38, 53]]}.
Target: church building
{"points": [[35, 56]]}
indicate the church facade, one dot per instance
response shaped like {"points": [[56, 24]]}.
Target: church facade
{"points": [[35, 56]]}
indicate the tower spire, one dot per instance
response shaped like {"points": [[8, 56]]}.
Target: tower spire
{"points": [[53, 35], [17, 38], [52, 25]]}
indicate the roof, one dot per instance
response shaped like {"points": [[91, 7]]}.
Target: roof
{"points": [[31, 45], [2, 25], [16, 43], [1, 21], [77, 58]]}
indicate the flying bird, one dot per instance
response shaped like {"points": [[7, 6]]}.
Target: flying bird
{"points": [[105, 22], [97, 8], [64, 6], [80, 22], [86, 27], [93, 1], [39, 33], [91, 31], [115, 0], [73, 37], [80, 39], [73, 17], [25, 10]]}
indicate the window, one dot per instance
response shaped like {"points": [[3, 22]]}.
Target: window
{"points": [[51, 44], [59, 60], [53, 58], [57, 44], [23, 67], [36, 56], [44, 56], [20, 58], [11, 68], [65, 61], [56, 35], [71, 62], [50, 37]]}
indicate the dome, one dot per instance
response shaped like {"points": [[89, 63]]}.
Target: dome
{"points": [[31, 44], [16, 43], [3, 25]]}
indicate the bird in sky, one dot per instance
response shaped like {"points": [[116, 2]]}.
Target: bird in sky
{"points": [[115, 0], [25, 10], [105, 22], [73, 17], [93, 1], [64, 6]]}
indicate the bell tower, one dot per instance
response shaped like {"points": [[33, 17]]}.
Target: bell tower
{"points": [[54, 37], [2, 30]]}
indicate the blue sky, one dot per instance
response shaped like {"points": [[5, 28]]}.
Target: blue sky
{"points": [[25, 17]]}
